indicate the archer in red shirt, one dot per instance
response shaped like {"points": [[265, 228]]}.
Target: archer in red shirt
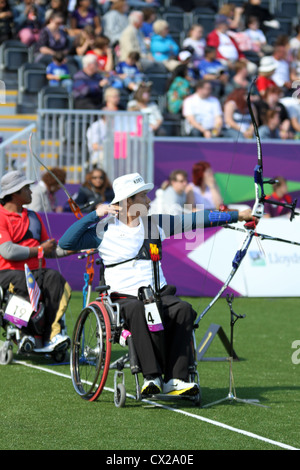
{"points": [[23, 237]]}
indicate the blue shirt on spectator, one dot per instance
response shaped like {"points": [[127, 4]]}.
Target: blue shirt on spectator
{"points": [[130, 70], [163, 48], [56, 69], [212, 68]]}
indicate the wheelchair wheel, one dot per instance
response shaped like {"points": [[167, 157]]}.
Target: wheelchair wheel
{"points": [[91, 351], [6, 355], [120, 396]]}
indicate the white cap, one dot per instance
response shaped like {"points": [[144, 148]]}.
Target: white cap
{"points": [[128, 185], [267, 64], [184, 55]]}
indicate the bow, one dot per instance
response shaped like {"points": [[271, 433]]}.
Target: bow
{"points": [[257, 212], [78, 214], [259, 182], [74, 207]]}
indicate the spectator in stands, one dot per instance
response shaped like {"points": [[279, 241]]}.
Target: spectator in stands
{"points": [[132, 38], [96, 190], [256, 35], [147, 26], [270, 128], [291, 104], [196, 41], [210, 68], [295, 67], [101, 49], [84, 14], [57, 72], [31, 26], [171, 198], [282, 74], [115, 21], [295, 42], [88, 85], [84, 41], [280, 194], [53, 37], [163, 47], [141, 102], [265, 18], [227, 49], [95, 136], [271, 102], [185, 58], [204, 189], [21, 11], [203, 113], [43, 198], [234, 14], [239, 79], [178, 89], [57, 6], [6, 21], [266, 70], [96, 132], [129, 73], [237, 119], [112, 100]]}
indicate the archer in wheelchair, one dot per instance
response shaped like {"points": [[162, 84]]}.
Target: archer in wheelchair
{"points": [[33, 298], [136, 294]]}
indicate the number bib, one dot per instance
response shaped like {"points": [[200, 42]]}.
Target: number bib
{"points": [[18, 311], [152, 316]]}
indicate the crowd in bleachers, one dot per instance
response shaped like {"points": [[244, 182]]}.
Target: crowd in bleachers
{"points": [[186, 63]]}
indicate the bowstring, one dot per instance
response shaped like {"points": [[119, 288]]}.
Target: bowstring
{"points": [[224, 198]]}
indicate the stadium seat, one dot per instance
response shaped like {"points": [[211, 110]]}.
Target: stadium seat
{"points": [[288, 9], [286, 25], [155, 67], [54, 98], [13, 54], [178, 22], [72, 65], [31, 79], [207, 21], [159, 82]]}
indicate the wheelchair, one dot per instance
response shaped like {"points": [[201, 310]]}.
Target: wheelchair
{"points": [[13, 329], [98, 327]]}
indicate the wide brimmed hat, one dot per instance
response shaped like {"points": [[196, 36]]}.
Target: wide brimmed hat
{"points": [[12, 182], [267, 64], [129, 185]]}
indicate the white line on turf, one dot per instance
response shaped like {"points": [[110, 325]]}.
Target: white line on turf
{"points": [[176, 410]]}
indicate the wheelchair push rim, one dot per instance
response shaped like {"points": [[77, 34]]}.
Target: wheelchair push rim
{"points": [[91, 351]]}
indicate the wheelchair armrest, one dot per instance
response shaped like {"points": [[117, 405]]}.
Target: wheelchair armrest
{"points": [[102, 289]]}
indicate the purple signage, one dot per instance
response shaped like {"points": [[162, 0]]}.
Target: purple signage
{"points": [[225, 157]]}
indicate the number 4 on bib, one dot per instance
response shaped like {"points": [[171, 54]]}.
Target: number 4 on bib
{"points": [[153, 319]]}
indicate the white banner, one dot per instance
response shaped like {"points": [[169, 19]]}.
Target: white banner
{"points": [[269, 269]]}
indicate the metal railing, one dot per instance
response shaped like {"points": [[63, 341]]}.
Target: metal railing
{"points": [[124, 139], [62, 139], [14, 152]]}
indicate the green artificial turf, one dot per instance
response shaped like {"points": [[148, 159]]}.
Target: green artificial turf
{"points": [[41, 411]]}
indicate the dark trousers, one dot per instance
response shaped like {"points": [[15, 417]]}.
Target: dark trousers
{"points": [[178, 318], [55, 294]]}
